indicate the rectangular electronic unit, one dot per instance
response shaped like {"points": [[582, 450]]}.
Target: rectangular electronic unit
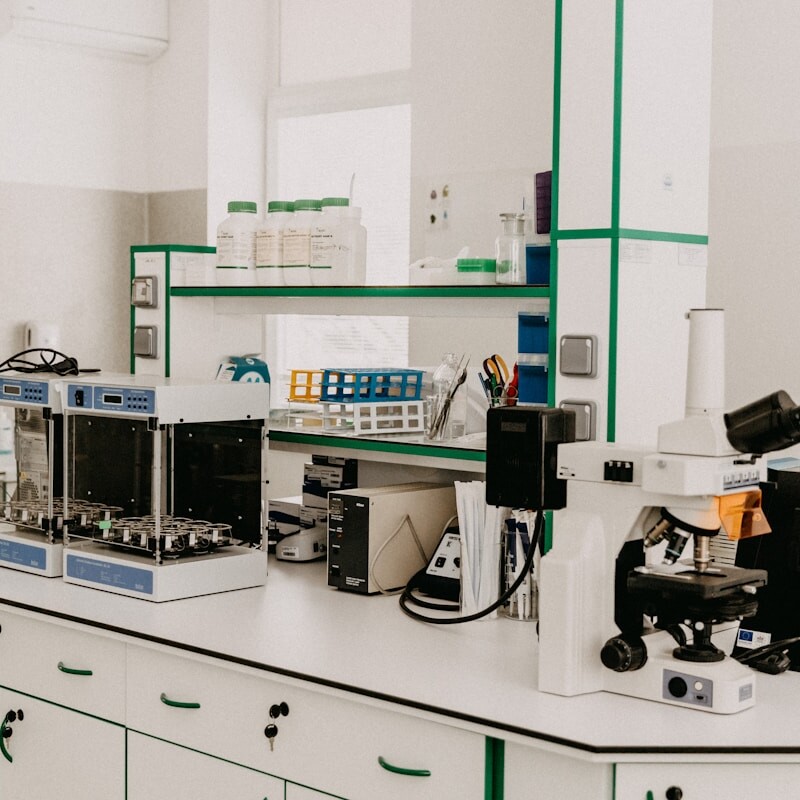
{"points": [[371, 546], [31, 509], [166, 485]]}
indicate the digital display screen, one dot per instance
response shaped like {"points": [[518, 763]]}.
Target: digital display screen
{"points": [[11, 389], [112, 399], [513, 427]]}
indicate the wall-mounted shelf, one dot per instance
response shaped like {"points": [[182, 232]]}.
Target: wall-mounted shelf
{"points": [[467, 454], [416, 301]]}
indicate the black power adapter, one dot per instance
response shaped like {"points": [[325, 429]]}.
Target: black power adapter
{"points": [[521, 456]]}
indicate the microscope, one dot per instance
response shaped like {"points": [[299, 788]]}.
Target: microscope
{"points": [[622, 608]]}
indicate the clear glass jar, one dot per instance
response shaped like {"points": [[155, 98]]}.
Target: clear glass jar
{"points": [[446, 406], [236, 245], [510, 250]]}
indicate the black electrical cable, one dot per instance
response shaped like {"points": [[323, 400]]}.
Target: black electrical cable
{"points": [[68, 365], [764, 650], [407, 597]]}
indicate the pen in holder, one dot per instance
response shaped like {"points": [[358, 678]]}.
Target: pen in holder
{"points": [[445, 409], [524, 603], [500, 388]]}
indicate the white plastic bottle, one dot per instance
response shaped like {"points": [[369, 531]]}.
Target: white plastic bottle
{"points": [[269, 243], [326, 243], [236, 245], [297, 242], [353, 249]]}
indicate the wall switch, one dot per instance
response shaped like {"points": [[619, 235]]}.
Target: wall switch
{"points": [[145, 341], [578, 356]]}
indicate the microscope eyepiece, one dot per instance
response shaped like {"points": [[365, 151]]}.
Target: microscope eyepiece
{"points": [[768, 424]]}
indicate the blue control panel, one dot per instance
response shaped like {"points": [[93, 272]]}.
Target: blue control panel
{"points": [[25, 391], [106, 573], [23, 555], [112, 399]]}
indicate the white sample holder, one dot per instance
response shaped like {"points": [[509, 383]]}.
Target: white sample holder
{"points": [[407, 416], [159, 547]]}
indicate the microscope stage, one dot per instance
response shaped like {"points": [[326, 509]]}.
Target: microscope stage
{"points": [[716, 583]]}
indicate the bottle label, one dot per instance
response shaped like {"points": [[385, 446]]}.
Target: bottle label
{"points": [[236, 250], [323, 248], [269, 248], [296, 247]]}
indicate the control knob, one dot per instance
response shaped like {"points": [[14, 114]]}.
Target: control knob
{"points": [[624, 653]]}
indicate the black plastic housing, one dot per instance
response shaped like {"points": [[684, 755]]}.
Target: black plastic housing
{"points": [[521, 456], [768, 424]]}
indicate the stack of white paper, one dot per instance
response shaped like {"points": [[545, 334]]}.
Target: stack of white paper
{"points": [[481, 527]]}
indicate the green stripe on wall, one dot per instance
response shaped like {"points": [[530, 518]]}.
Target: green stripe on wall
{"points": [[615, 206], [551, 372], [629, 233]]}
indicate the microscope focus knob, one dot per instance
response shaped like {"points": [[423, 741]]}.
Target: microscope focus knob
{"points": [[624, 653]]}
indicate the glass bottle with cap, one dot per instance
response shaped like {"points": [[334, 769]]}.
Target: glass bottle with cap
{"points": [[236, 245], [510, 249]]}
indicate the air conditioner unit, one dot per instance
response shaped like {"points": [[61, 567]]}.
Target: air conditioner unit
{"points": [[131, 29]]}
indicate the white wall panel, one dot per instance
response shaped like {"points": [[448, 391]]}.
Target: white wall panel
{"points": [[587, 104], [666, 89]]}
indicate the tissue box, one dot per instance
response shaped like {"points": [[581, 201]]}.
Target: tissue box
{"points": [[243, 368]]}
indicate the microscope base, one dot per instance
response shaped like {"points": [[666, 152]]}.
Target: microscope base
{"points": [[722, 687]]}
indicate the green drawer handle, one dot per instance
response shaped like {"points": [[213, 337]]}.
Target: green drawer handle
{"points": [[6, 754], [71, 671], [420, 773], [177, 703]]}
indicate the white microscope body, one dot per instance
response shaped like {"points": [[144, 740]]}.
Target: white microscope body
{"points": [[621, 500]]}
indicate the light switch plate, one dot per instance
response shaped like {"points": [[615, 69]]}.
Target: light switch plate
{"points": [[145, 341], [144, 291], [585, 418], [578, 355]]}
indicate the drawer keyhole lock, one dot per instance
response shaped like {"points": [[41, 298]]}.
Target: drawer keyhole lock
{"points": [[271, 731], [6, 731]]}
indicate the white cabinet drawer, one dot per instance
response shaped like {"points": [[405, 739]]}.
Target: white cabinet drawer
{"points": [[68, 666], [669, 781], [58, 754], [158, 769], [327, 742], [531, 774]]}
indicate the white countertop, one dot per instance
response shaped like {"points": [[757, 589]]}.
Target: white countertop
{"points": [[482, 672]]}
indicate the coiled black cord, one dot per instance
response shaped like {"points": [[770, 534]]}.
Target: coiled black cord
{"points": [[66, 365], [408, 597]]}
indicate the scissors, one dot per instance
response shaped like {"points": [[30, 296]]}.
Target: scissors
{"points": [[497, 372]]}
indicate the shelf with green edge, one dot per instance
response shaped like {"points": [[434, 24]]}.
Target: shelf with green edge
{"points": [[467, 454], [444, 301]]}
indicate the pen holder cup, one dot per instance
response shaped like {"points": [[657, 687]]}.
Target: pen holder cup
{"points": [[445, 419]]}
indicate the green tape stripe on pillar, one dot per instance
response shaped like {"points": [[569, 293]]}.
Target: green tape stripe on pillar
{"points": [[132, 316], [615, 206], [167, 337], [630, 233], [551, 372]]}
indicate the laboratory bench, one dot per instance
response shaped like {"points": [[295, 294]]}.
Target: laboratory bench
{"points": [[175, 699]]}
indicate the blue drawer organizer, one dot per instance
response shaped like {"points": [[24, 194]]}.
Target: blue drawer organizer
{"points": [[533, 341]]}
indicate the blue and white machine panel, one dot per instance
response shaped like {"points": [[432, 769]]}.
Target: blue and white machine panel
{"points": [[23, 555], [25, 391], [110, 574], [111, 399]]}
